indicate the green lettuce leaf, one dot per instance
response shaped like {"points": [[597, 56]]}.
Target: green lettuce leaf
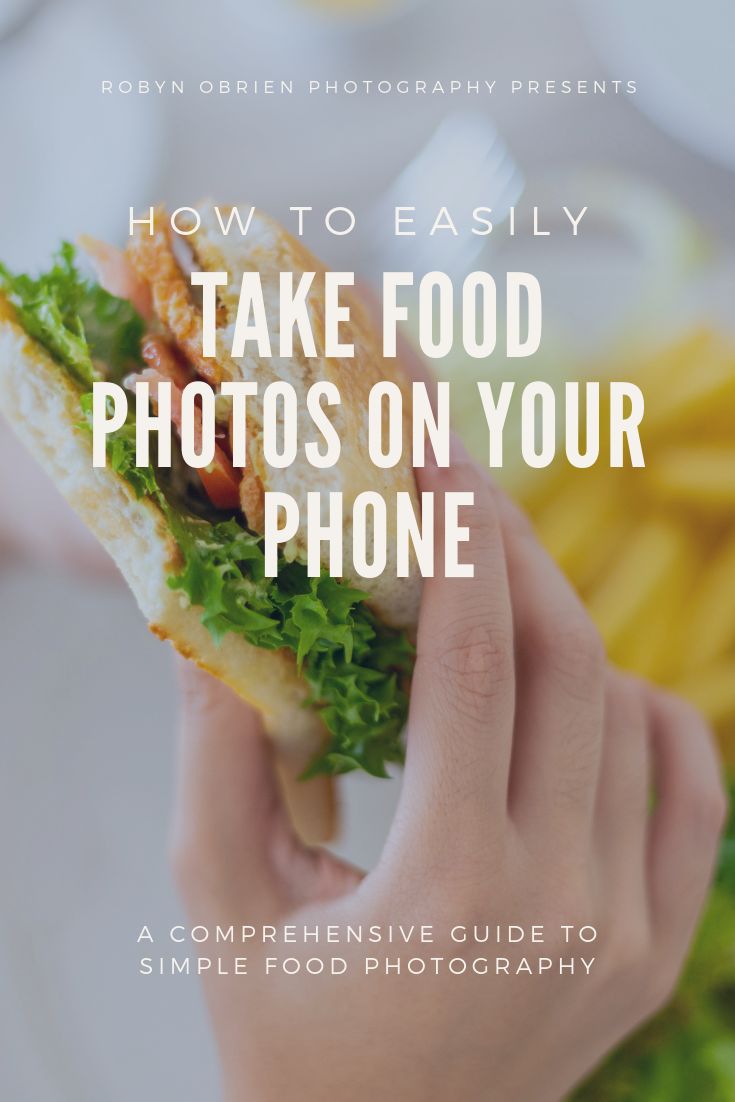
{"points": [[354, 666], [77, 321], [121, 453], [113, 330]]}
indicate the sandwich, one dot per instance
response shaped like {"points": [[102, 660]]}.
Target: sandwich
{"points": [[326, 661]]}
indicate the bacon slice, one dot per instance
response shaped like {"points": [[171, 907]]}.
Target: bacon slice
{"points": [[220, 479], [154, 262]]}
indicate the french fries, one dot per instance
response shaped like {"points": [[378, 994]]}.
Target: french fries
{"points": [[652, 551], [688, 385], [713, 690], [702, 477], [711, 615], [639, 581]]}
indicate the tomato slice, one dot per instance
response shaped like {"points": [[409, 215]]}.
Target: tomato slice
{"points": [[220, 480], [116, 274]]}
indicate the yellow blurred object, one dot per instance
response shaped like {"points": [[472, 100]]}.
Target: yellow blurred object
{"points": [[652, 552], [711, 618], [639, 582], [576, 525], [679, 393], [702, 476], [348, 7], [713, 690], [652, 644]]}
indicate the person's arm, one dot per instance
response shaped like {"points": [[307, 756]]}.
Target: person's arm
{"points": [[525, 800]]}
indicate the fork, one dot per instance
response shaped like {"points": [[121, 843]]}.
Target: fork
{"points": [[465, 164]]}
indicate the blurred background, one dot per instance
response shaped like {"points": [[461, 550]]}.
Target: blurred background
{"points": [[645, 293]]}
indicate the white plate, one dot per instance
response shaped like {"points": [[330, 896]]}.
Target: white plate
{"points": [[680, 54]]}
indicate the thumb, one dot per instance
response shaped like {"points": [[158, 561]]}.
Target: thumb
{"points": [[234, 850], [227, 805]]}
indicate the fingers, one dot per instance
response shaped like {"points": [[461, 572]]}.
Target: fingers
{"points": [[462, 700], [416, 367], [234, 850], [227, 802], [622, 812], [311, 805], [560, 671], [688, 819]]}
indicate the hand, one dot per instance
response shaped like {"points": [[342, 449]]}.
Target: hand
{"points": [[525, 800]]}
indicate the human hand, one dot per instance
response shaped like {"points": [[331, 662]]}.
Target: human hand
{"points": [[525, 801]]}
